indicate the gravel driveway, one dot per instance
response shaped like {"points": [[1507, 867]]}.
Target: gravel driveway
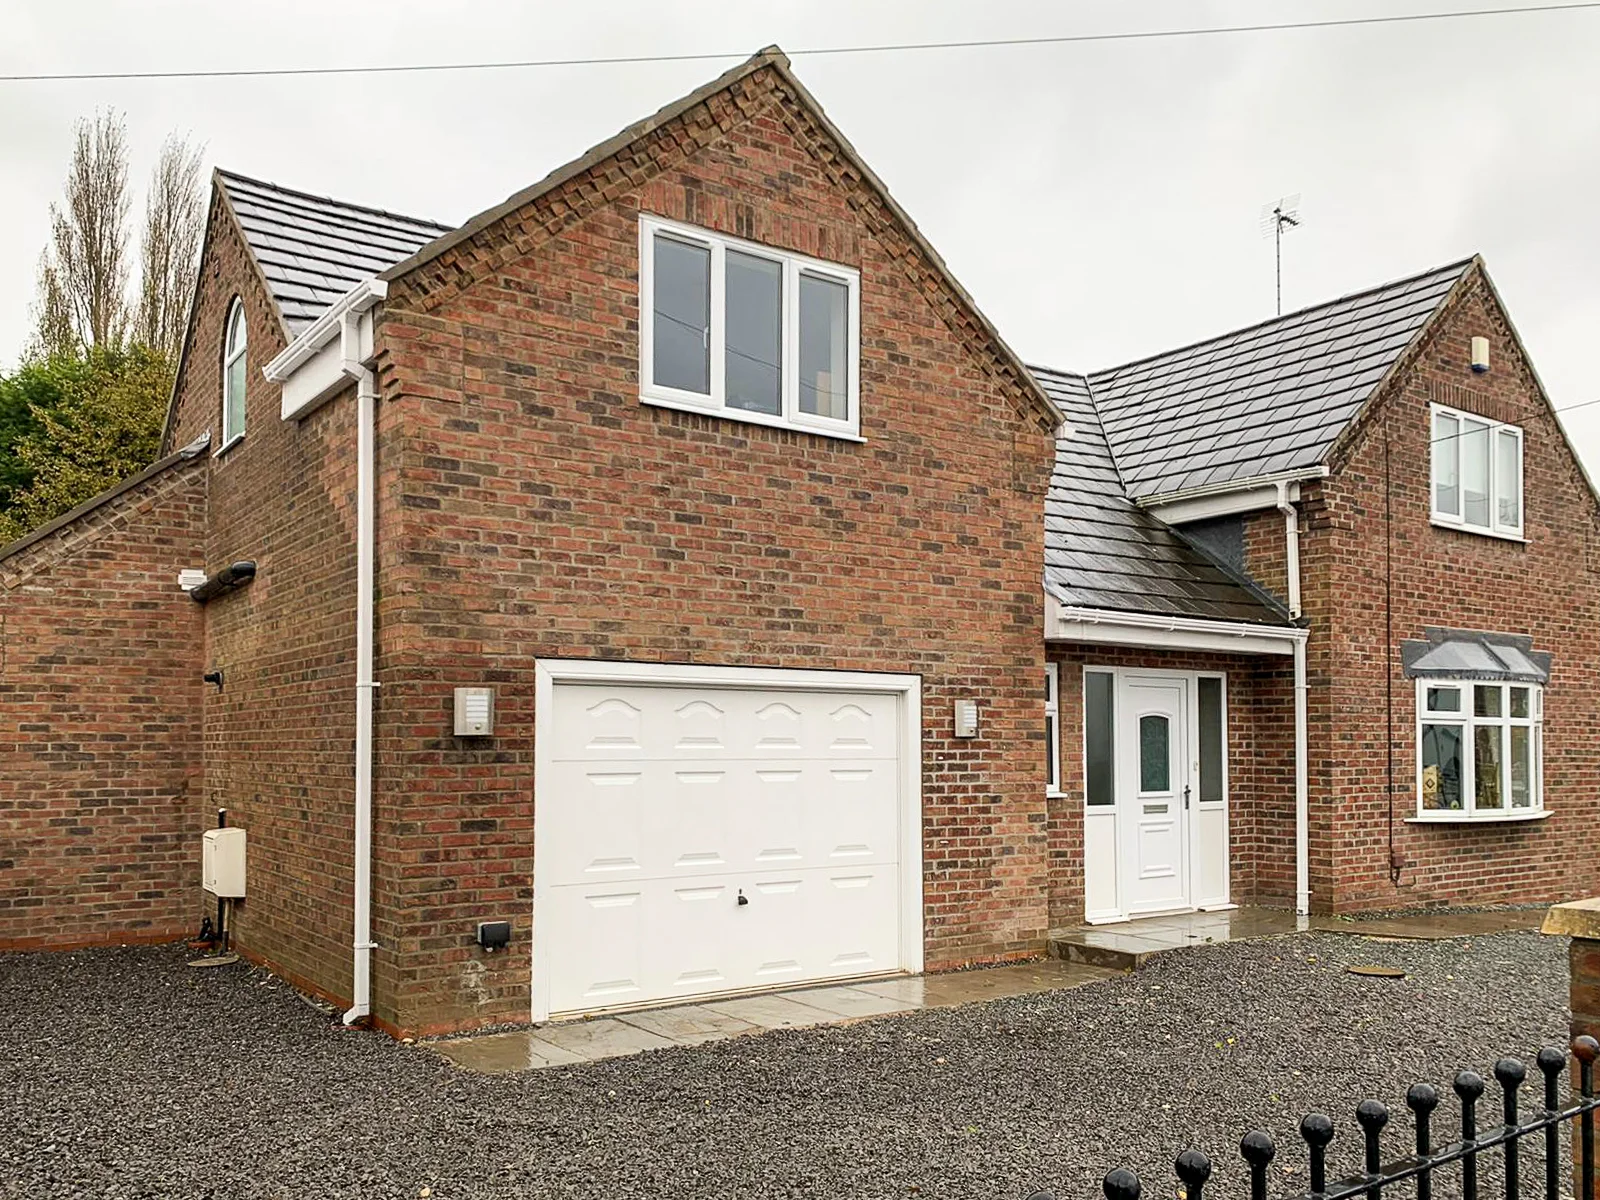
{"points": [[124, 1074]]}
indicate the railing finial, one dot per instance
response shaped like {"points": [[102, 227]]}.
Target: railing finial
{"points": [[1121, 1184]]}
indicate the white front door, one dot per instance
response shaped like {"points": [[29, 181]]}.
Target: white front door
{"points": [[695, 839], [1155, 795]]}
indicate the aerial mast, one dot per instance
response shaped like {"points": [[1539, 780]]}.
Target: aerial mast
{"points": [[1275, 218]]}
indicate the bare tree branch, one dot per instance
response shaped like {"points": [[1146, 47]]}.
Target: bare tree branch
{"points": [[174, 217], [83, 278]]}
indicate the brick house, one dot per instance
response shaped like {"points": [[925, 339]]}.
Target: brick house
{"points": [[653, 563], [1268, 549]]}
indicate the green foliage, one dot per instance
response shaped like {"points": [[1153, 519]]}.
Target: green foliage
{"points": [[72, 426]]}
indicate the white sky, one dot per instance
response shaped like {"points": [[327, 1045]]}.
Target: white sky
{"points": [[1101, 201]]}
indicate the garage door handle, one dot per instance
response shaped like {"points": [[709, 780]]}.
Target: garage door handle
{"points": [[743, 899]]}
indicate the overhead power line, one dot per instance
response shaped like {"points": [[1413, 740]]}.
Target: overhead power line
{"points": [[813, 51]]}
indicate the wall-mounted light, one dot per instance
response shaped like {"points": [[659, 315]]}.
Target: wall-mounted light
{"points": [[234, 575], [214, 676], [474, 712]]}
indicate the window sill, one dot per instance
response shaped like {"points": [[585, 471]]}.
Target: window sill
{"points": [[1451, 818], [228, 445], [747, 418], [1054, 794], [1479, 531]]}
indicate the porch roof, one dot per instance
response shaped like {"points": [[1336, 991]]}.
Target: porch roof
{"points": [[1103, 551]]}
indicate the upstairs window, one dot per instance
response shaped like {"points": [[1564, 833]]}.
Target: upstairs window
{"points": [[233, 376], [1480, 750], [747, 332], [1477, 473]]}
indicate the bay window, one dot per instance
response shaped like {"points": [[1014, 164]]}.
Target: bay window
{"points": [[1479, 750], [1477, 473], [747, 332]]}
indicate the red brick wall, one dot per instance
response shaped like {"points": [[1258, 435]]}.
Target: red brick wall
{"points": [[279, 738], [1260, 750], [1545, 588], [544, 512], [100, 697]]}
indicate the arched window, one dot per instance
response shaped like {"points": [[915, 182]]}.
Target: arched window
{"points": [[233, 375]]}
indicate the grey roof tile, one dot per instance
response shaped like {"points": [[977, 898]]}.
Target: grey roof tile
{"points": [[313, 250], [1278, 393], [1103, 551]]}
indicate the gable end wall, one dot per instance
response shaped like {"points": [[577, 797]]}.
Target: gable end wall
{"points": [[1546, 588], [546, 513]]}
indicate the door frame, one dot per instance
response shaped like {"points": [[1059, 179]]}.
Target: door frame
{"points": [[1096, 817], [549, 673]]}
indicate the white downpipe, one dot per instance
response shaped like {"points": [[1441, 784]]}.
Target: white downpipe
{"points": [[1302, 789], [1291, 545], [366, 501]]}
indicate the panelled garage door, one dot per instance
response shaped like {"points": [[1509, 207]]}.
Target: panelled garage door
{"points": [[695, 838]]}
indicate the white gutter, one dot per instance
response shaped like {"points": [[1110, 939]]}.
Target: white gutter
{"points": [[1065, 622], [325, 328], [1301, 475], [1302, 792], [311, 369]]}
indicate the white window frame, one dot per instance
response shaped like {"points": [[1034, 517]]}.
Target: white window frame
{"points": [[230, 355], [794, 265], [1052, 728], [1469, 723], [1451, 445]]}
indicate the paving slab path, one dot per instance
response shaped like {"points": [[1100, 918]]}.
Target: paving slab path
{"points": [[122, 1073]]}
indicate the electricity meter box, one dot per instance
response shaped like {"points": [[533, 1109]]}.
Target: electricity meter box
{"points": [[222, 863]]}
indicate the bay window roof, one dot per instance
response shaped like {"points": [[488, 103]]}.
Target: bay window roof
{"points": [[1467, 654]]}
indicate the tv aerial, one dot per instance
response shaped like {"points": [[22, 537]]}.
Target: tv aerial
{"points": [[1275, 218]]}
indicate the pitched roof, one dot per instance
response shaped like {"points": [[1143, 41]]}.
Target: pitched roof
{"points": [[1104, 551], [312, 250], [1263, 400]]}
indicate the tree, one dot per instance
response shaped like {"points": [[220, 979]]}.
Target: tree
{"points": [[85, 408], [96, 419], [171, 247], [32, 387], [83, 275]]}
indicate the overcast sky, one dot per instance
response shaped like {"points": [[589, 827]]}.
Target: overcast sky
{"points": [[1101, 201]]}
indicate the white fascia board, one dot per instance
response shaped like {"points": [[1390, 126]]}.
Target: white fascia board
{"points": [[1225, 499], [1201, 508], [312, 367], [1066, 623]]}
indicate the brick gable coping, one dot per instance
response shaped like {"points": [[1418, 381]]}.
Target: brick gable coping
{"points": [[569, 194], [71, 530]]}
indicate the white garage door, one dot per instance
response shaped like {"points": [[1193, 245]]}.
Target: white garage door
{"points": [[699, 838]]}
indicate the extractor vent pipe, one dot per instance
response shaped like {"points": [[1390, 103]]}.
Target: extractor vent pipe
{"points": [[366, 500]]}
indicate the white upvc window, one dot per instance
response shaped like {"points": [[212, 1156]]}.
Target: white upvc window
{"points": [[1480, 750], [747, 332], [233, 376], [1052, 728], [1477, 473]]}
